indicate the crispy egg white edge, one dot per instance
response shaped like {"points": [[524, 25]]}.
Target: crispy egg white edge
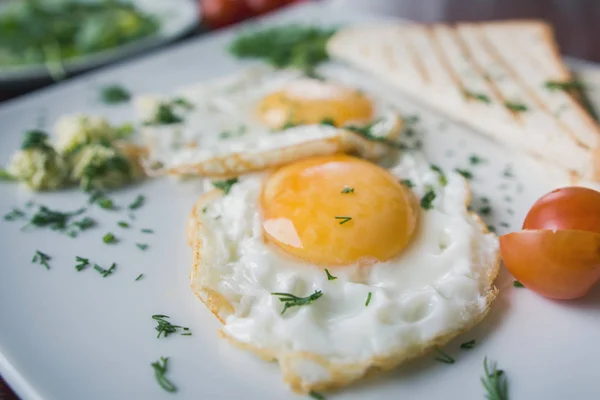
{"points": [[259, 148], [306, 370]]}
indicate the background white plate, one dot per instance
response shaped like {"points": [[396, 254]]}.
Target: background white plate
{"points": [[75, 335], [177, 18]]}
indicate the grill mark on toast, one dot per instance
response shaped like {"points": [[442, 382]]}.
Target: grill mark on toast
{"points": [[490, 47], [455, 34], [418, 64], [441, 56]]}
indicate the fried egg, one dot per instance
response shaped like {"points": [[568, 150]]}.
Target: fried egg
{"points": [[262, 118], [335, 267]]}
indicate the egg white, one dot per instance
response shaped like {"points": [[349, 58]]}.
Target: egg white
{"points": [[222, 136], [438, 287]]}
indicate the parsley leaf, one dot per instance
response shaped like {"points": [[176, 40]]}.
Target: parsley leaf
{"points": [[290, 300], [160, 369], [329, 276], [114, 94], [297, 46], [516, 107], [41, 258], [428, 198], [225, 185]]}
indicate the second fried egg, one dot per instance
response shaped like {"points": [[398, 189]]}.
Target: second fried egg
{"points": [[263, 118]]}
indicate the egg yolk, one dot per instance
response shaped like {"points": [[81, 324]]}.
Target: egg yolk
{"points": [[311, 101], [337, 210]]}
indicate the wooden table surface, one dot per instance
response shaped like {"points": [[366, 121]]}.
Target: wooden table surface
{"points": [[577, 25]]}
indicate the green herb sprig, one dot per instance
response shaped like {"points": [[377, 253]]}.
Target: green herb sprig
{"points": [[165, 328], [494, 381], [82, 263], [41, 258], [114, 94], [105, 272], [443, 356], [289, 300], [226, 185], [160, 370], [296, 46]]}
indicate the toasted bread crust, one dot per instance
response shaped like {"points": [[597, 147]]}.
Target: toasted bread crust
{"points": [[578, 152]]}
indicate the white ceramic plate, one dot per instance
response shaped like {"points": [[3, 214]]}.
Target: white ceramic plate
{"points": [[177, 18], [75, 335]]}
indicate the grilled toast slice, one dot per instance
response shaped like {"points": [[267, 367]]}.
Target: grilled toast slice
{"points": [[504, 79]]}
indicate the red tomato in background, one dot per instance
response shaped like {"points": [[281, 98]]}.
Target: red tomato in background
{"points": [[264, 6], [219, 13]]}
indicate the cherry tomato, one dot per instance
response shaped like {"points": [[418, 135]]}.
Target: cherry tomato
{"points": [[561, 264], [219, 13], [566, 208], [263, 6]]}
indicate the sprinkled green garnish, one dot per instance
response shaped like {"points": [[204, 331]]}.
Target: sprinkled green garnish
{"points": [[494, 381], [485, 210], [343, 220], [485, 200], [464, 172], [123, 224], [508, 199], [181, 102], [140, 276], [564, 85], [475, 160], [468, 345], [411, 119], [147, 231], [114, 94], [55, 220], [109, 238], [296, 46], [138, 202], [368, 299], [102, 200], [5, 176], [290, 300], [234, 133], [347, 190], [477, 96], [442, 178], [508, 173], [14, 215], [510, 211], [491, 228], [443, 356], [518, 284], [84, 224], [160, 370], [327, 121], [366, 132], [82, 263], [505, 224], [316, 395], [142, 246], [41, 258], [516, 107], [36, 139], [105, 272], [225, 185], [329, 276], [408, 183], [164, 327], [428, 198], [164, 115]]}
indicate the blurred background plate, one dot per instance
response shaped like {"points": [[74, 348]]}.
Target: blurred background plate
{"points": [[177, 17]]}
